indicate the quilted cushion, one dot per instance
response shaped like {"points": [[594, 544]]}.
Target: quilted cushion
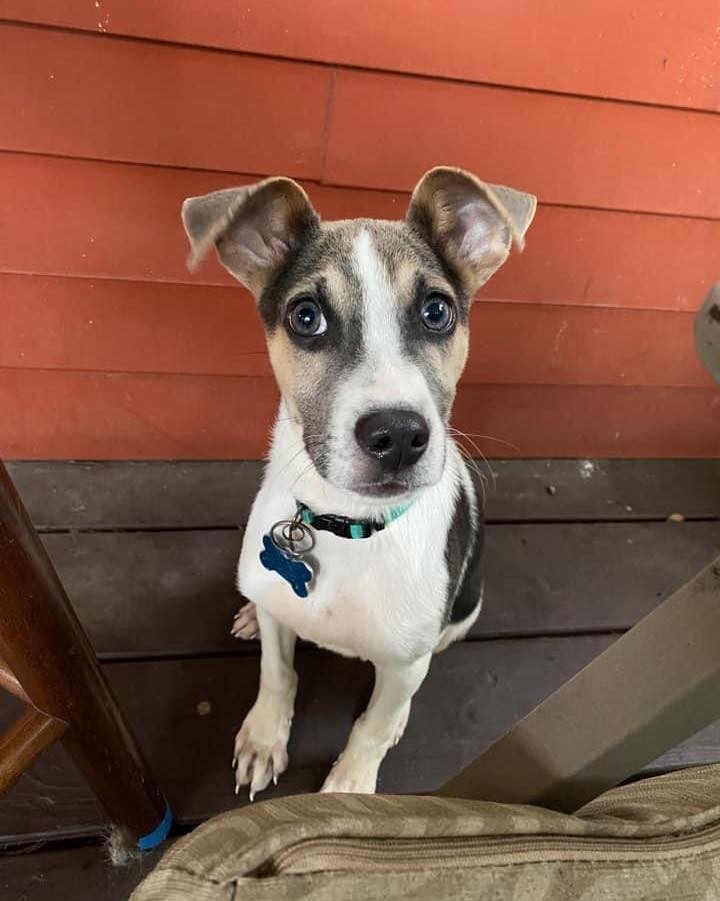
{"points": [[651, 840]]}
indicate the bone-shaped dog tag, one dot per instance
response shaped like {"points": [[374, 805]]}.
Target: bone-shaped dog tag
{"points": [[284, 548]]}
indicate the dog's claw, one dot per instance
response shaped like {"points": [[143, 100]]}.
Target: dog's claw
{"points": [[260, 756]]}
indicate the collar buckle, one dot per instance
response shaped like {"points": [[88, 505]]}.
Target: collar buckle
{"points": [[343, 526]]}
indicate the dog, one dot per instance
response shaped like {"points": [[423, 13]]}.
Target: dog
{"points": [[366, 535]]}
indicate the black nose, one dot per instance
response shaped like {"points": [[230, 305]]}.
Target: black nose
{"points": [[395, 438]]}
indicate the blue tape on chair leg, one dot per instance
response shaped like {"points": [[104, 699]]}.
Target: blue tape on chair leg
{"points": [[159, 834]]}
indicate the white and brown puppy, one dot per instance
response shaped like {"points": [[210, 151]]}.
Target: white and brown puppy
{"points": [[367, 329]]}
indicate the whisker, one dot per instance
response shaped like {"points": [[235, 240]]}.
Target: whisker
{"points": [[310, 442], [304, 472], [474, 467], [491, 473], [288, 418], [292, 459], [486, 438]]}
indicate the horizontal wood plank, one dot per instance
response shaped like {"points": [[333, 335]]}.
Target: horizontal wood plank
{"points": [[571, 421], [71, 495], [491, 686], [178, 106], [657, 52], [68, 874], [173, 593], [70, 415], [218, 494], [74, 415], [564, 149], [604, 258], [110, 325], [76, 95], [123, 221], [566, 345]]}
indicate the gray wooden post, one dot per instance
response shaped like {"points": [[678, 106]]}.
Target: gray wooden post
{"points": [[652, 689]]}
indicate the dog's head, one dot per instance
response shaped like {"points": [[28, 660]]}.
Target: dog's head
{"points": [[366, 320]]}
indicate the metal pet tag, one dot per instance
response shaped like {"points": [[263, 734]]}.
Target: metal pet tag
{"points": [[284, 548]]}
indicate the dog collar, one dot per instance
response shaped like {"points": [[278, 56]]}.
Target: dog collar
{"points": [[287, 546], [343, 526]]}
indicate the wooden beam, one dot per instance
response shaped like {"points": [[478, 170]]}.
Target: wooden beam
{"points": [[652, 689], [23, 742], [10, 683]]}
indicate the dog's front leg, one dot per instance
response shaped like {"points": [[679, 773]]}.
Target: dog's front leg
{"points": [[379, 728], [261, 743]]}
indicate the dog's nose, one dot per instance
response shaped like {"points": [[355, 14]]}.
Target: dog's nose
{"points": [[395, 438]]}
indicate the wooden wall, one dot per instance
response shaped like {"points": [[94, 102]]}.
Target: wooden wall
{"points": [[112, 111]]}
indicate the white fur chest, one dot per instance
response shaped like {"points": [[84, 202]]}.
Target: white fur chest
{"points": [[381, 598]]}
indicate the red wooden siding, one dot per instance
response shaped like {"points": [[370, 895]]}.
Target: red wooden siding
{"points": [[654, 51], [580, 346], [107, 325], [180, 106], [149, 103], [77, 217], [190, 417], [570, 150]]}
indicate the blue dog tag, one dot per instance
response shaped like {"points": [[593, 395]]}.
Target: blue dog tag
{"points": [[283, 549]]}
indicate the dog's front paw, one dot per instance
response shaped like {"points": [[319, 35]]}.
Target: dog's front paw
{"points": [[260, 754], [245, 624], [354, 777]]}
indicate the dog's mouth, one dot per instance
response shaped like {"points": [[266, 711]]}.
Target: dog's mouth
{"points": [[389, 489]]}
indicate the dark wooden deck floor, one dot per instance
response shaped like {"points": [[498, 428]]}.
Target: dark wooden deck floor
{"points": [[577, 552]]}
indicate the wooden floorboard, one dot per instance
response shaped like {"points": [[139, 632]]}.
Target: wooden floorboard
{"points": [[473, 694], [172, 592], [577, 551], [469, 699], [207, 494], [71, 874]]}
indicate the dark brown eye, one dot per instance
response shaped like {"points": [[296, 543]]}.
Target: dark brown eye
{"points": [[305, 318], [438, 313]]}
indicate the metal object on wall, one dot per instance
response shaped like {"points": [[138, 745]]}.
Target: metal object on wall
{"points": [[707, 332]]}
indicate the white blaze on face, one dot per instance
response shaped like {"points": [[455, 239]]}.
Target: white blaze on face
{"points": [[381, 332], [385, 378]]}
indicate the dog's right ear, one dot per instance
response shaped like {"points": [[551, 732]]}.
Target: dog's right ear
{"points": [[252, 228], [471, 224]]}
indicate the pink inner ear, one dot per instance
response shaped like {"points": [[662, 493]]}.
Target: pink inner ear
{"points": [[472, 233], [259, 250], [478, 234]]}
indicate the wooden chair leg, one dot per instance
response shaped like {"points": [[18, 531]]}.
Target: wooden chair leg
{"points": [[44, 647], [23, 742], [10, 683], [652, 689]]}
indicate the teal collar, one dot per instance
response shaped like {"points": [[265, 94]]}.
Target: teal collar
{"points": [[345, 527]]}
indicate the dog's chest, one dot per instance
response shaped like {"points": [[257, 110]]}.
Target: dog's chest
{"points": [[382, 598]]}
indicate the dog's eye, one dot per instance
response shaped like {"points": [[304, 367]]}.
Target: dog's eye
{"points": [[305, 318], [438, 313]]}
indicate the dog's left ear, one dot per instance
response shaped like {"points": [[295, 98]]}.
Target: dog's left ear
{"points": [[253, 228], [471, 224]]}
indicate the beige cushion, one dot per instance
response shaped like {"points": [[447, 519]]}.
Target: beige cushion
{"points": [[652, 840]]}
